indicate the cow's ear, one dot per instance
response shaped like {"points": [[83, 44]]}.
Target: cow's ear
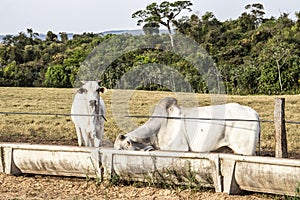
{"points": [[102, 90], [83, 82], [81, 90]]}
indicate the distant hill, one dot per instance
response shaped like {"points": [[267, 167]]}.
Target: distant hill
{"points": [[1, 38], [131, 32], [42, 36], [119, 32]]}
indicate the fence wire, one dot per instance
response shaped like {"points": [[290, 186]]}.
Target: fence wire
{"points": [[211, 119], [200, 119], [51, 114], [146, 116]]}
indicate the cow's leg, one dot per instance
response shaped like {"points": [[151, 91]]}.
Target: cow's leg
{"points": [[97, 142], [90, 142], [91, 139], [85, 137], [243, 142], [96, 138], [79, 135], [98, 133]]}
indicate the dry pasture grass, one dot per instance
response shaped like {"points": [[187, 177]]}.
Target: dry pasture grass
{"points": [[60, 130]]}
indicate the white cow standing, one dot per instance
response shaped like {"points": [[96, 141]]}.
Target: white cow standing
{"points": [[87, 101], [179, 129]]}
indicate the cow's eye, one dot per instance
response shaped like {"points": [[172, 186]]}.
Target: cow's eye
{"points": [[82, 90], [98, 90], [122, 137]]}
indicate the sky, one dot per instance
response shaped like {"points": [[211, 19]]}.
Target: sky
{"points": [[78, 16]]}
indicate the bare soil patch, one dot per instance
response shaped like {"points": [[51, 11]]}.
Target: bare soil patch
{"points": [[49, 187]]}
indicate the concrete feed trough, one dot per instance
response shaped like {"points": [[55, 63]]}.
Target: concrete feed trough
{"points": [[224, 172]]}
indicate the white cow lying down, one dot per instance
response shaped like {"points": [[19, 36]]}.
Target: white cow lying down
{"points": [[167, 131], [88, 101]]}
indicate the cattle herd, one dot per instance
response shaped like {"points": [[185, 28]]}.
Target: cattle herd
{"points": [[171, 127]]}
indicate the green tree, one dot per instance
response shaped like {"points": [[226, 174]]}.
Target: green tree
{"points": [[56, 76], [162, 14], [32, 35], [151, 28], [279, 71], [73, 61], [14, 75], [63, 37], [256, 12], [51, 36]]}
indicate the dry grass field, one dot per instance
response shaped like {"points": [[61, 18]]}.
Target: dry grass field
{"points": [[60, 129], [39, 129]]}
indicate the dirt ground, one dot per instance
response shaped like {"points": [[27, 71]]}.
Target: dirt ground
{"points": [[49, 187]]}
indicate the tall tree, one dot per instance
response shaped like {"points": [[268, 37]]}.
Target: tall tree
{"points": [[63, 37], [163, 14], [51, 36], [32, 35], [256, 12]]}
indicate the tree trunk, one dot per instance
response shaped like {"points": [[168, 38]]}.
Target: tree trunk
{"points": [[171, 37], [279, 75]]}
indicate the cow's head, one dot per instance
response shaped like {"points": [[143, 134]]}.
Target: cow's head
{"points": [[92, 91], [123, 142]]}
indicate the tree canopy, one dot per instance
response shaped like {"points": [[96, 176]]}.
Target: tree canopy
{"points": [[163, 14], [252, 54]]}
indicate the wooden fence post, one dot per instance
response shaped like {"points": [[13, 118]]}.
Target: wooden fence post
{"points": [[280, 132]]}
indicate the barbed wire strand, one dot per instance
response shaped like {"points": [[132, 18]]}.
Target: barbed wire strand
{"points": [[146, 116], [211, 119], [200, 119], [51, 114]]}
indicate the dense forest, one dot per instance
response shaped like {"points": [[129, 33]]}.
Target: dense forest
{"points": [[253, 54]]}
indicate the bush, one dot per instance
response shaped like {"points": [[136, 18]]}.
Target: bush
{"points": [[56, 76]]}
